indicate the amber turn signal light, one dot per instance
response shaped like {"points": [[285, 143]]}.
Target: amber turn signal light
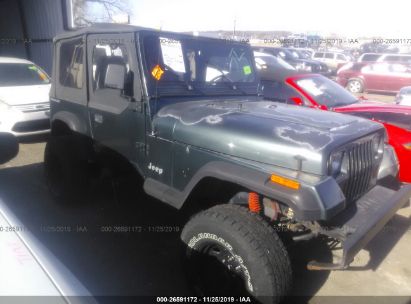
{"points": [[289, 183]]}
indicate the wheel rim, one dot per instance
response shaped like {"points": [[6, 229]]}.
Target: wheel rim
{"points": [[354, 86], [216, 271]]}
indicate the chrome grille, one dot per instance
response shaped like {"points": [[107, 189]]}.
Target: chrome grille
{"points": [[37, 107], [361, 167]]}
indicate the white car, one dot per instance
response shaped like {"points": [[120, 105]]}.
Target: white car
{"points": [[30, 273], [24, 97], [403, 97], [332, 59]]}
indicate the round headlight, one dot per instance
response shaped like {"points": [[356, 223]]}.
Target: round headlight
{"points": [[378, 146], [335, 165]]}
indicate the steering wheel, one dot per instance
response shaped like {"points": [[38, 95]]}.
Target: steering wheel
{"points": [[220, 77]]}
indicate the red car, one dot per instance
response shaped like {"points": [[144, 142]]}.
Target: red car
{"points": [[375, 77], [397, 122], [317, 91]]}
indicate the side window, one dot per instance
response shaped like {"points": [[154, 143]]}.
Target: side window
{"points": [[71, 64], [329, 55], [103, 56], [392, 58], [318, 55]]}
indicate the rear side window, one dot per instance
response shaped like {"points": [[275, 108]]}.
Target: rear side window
{"points": [[71, 72], [370, 57], [341, 57], [329, 55]]}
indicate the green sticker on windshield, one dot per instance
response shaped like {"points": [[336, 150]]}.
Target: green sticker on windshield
{"points": [[32, 67], [247, 70]]}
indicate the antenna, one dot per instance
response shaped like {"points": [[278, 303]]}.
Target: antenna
{"points": [[235, 21]]}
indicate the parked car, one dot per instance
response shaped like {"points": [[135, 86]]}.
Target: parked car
{"points": [[374, 77], [268, 62], [333, 60], [399, 58], [24, 97], [301, 64], [404, 96], [187, 116], [317, 91], [28, 269], [369, 57], [397, 122]]}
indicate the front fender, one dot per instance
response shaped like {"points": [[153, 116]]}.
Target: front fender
{"points": [[313, 201]]}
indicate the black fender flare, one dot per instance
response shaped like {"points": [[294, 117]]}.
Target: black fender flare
{"points": [[71, 120], [310, 202]]}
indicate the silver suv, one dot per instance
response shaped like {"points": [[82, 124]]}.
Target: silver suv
{"points": [[24, 97]]}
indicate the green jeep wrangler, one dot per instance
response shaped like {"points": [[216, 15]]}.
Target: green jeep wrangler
{"points": [[187, 114]]}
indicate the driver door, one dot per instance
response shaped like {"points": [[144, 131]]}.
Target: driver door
{"points": [[115, 114]]}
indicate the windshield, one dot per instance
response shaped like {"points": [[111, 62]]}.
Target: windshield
{"points": [[325, 91], [287, 55], [178, 65], [21, 74]]}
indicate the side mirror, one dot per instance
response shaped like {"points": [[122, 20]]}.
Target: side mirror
{"points": [[295, 101], [115, 76], [9, 147]]}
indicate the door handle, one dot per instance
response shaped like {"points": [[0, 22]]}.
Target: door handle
{"points": [[98, 118]]}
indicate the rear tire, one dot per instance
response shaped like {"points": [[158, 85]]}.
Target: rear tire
{"points": [[231, 251], [66, 168], [355, 86]]}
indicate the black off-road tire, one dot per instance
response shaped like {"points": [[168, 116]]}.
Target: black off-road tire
{"points": [[66, 168], [251, 246]]}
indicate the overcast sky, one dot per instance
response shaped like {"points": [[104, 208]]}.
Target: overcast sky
{"points": [[351, 18]]}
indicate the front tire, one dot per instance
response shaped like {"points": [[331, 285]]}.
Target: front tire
{"points": [[231, 251]]}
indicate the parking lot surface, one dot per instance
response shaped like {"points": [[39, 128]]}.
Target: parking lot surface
{"points": [[147, 261]]}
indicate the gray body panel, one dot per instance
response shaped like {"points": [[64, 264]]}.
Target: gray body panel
{"points": [[266, 132]]}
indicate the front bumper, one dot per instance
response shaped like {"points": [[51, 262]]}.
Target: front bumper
{"points": [[359, 223], [23, 123]]}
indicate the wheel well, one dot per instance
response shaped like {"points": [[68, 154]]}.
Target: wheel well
{"points": [[209, 192], [356, 78], [59, 128]]}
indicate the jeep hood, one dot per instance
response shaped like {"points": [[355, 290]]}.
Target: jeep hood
{"points": [[297, 138]]}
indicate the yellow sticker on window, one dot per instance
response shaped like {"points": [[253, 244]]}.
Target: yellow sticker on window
{"points": [[43, 76], [247, 70], [157, 72]]}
